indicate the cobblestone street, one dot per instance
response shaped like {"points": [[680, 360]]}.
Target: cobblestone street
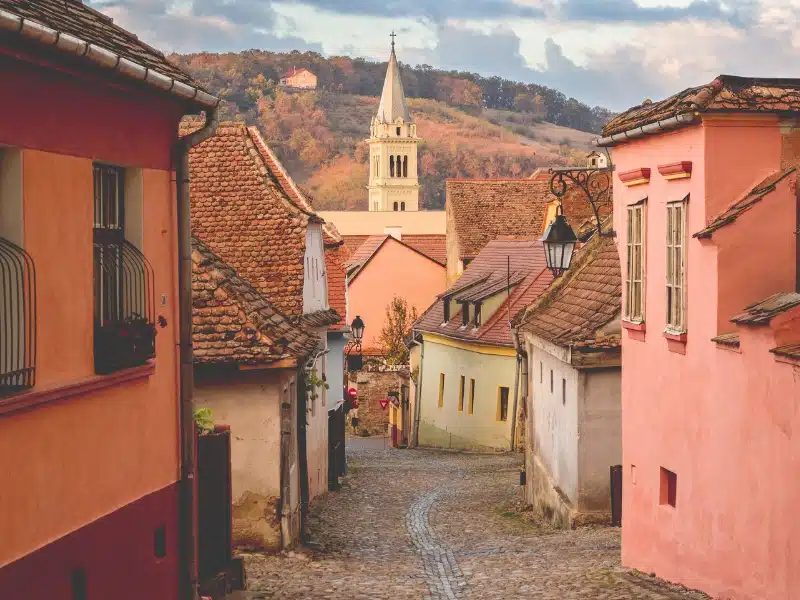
{"points": [[435, 524]]}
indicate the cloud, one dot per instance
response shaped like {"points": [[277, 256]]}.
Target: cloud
{"points": [[433, 10], [207, 25], [739, 13]]}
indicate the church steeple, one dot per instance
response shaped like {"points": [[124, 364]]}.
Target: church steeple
{"points": [[393, 99], [393, 141]]}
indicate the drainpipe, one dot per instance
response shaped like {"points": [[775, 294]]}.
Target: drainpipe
{"points": [[515, 339], [665, 125], [418, 399], [188, 502]]}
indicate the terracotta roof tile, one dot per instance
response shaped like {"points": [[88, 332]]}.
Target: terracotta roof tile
{"points": [[726, 93], [246, 216], [364, 252], [788, 350], [753, 197], [761, 313], [728, 339], [433, 246], [233, 323], [482, 210], [80, 20], [337, 284], [574, 311], [351, 244], [490, 267]]}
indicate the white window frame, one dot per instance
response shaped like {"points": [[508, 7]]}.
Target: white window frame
{"points": [[675, 288], [636, 263]]}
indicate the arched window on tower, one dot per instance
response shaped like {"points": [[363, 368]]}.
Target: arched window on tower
{"points": [[395, 206], [405, 166], [398, 131], [391, 166], [402, 206], [399, 166]]}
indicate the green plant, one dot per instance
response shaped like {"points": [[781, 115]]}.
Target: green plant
{"points": [[314, 382], [204, 421]]}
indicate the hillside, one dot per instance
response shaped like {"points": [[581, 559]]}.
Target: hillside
{"points": [[320, 135]]}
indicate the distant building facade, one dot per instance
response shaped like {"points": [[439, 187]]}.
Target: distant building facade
{"points": [[300, 79]]}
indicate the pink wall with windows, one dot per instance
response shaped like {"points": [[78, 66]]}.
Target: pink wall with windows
{"points": [[725, 422]]}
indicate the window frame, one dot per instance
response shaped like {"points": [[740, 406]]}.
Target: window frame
{"points": [[675, 267], [441, 390], [499, 416], [461, 389], [636, 263], [471, 405]]}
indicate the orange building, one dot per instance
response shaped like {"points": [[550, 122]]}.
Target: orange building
{"points": [[90, 435]]}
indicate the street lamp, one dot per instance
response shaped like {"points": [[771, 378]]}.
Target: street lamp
{"points": [[559, 239], [357, 329], [353, 349], [559, 244]]}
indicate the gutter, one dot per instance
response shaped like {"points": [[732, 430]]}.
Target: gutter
{"points": [[515, 339], [102, 57], [665, 125], [418, 399], [188, 503]]}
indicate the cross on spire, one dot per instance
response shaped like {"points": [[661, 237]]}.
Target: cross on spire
{"points": [[393, 35]]}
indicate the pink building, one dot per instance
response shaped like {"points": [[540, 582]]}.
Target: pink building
{"points": [[706, 214]]}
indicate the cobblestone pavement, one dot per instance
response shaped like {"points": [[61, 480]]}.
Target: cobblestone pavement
{"points": [[427, 524]]}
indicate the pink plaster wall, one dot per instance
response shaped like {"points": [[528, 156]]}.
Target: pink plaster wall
{"points": [[395, 270], [723, 421]]}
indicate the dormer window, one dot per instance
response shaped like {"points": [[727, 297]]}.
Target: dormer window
{"points": [[446, 301], [464, 314], [476, 321]]}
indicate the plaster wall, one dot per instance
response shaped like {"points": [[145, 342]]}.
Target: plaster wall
{"points": [[249, 402], [722, 421], [315, 286], [447, 427], [317, 430], [362, 222], [394, 270], [335, 370]]}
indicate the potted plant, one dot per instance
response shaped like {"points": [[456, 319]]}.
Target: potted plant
{"points": [[124, 344]]}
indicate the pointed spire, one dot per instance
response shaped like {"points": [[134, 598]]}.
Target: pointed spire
{"points": [[393, 99]]}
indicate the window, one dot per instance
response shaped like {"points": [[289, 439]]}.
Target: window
{"points": [[635, 274], [395, 206], [441, 390], [398, 131], [464, 314], [405, 166], [551, 381], [461, 394], [446, 303], [676, 266], [124, 333], [402, 206], [669, 488], [471, 407], [502, 403], [564, 392], [391, 166], [476, 321], [541, 372]]}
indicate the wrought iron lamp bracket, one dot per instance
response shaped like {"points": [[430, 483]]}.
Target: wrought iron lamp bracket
{"points": [[353, 346], [595, 183]]}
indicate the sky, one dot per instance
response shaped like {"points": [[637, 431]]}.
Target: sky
{"points": [[611, 53]]}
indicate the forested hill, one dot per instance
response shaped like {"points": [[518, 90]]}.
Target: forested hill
{"points": [[498, 130], [231, 73]]}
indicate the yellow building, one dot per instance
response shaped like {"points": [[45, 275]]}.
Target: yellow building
{"points": [[467, 380], [301, 79]]}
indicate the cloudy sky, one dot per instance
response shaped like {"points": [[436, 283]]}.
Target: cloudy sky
{"points": [[612, 53]]}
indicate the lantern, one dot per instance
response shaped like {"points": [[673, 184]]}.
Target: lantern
{"points": [[559, 244], [357, 329]]}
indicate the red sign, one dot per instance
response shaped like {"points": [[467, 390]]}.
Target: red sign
{"points": [[353, 393], [384, 403]]}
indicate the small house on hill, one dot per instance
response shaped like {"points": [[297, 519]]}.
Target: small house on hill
{"points": [[466, 390], [301, 79]]}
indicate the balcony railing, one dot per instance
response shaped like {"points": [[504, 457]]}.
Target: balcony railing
{"points": [[17, 319], [124, 334]]}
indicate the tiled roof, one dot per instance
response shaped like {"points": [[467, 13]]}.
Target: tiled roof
{"points": [[753, 197], [761, 313], [233, 323], [481, 210], [491, 266], [75, 18], [319, 318], [433, 246], [725, 94], [244, 214], [364, 252], [337, 284], [728, 339], [788, 351], [295, 71], [587, 297]]}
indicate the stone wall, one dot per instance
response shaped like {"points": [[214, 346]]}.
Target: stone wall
{"points": [[372, 387]]}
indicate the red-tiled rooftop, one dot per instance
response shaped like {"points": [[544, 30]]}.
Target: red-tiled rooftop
{"points": [[492, 265]]}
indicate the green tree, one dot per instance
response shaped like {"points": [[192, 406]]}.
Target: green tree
{"points": [[399, 321]]}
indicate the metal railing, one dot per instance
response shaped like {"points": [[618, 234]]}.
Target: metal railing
{"points": [[17, 319]]}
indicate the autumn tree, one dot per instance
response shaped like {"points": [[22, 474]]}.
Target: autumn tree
{"points": [[399, 321]]}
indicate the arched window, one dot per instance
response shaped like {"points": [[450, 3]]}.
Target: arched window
{"points": [[402, 206], [405, 166], [395, 206], [391, 166], [399, 166], [398, 131]]}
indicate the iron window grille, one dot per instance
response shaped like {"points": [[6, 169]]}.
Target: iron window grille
{"points": [[18, 319], [124, 329]]}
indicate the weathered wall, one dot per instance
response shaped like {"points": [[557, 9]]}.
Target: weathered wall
{"points": [[317, 430], [374, 386], [335, 372], [490, 367], [395, 270], [250, 403]]}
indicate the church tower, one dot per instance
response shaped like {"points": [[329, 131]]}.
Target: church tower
{"points": [[393, 145]]}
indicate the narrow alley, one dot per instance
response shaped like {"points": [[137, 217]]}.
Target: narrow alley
{"points": [[440, 525]]}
